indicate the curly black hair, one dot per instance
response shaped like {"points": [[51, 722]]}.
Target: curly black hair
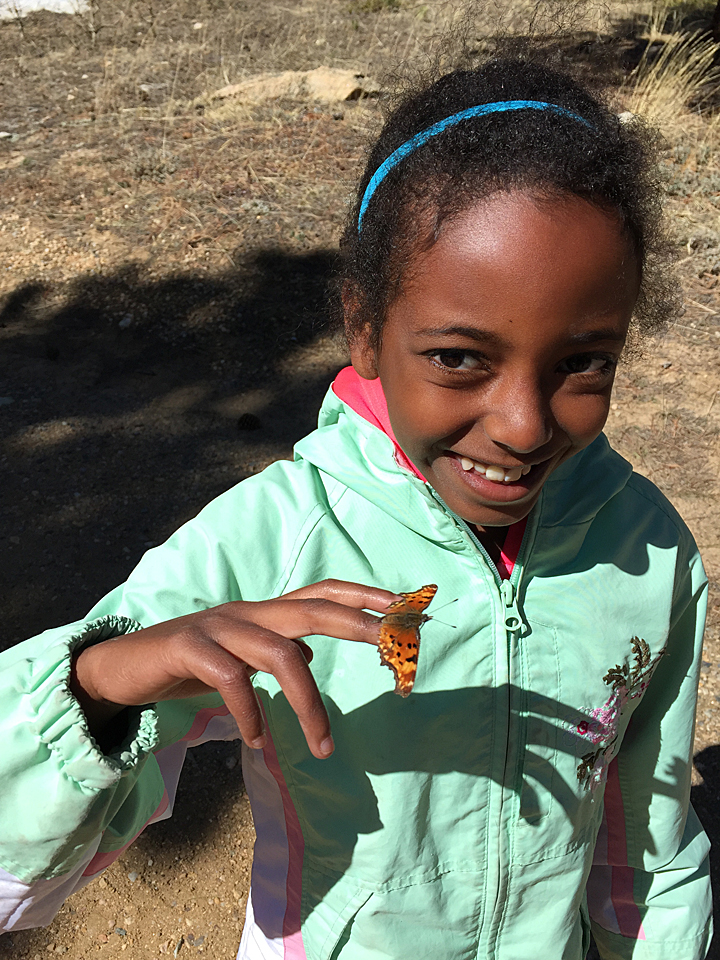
{"points": [[607, 160]]}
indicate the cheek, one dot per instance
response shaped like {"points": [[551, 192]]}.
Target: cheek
{"points": [[417, 419], [582, 418]]}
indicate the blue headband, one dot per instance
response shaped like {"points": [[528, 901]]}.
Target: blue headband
{"points": [[420, 138]]}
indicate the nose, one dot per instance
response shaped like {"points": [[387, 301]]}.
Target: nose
{"points": [[517, 416]]}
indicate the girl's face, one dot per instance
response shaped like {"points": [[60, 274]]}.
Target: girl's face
{"points": [[498, 357]]}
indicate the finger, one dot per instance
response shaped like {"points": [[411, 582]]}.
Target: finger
{"points": [[285, 660], [217, 668], [307, 651], [348, 593], [296, 618]]}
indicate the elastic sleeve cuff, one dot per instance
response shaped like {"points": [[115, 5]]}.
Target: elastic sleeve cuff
{"points": [[56, 719]]}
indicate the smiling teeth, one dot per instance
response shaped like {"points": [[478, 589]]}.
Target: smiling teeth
{"points": [[495, 473]]}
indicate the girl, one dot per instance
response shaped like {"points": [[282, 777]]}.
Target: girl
{"points": [[535, 784]]}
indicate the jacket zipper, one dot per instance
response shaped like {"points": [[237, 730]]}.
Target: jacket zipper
{"points": [[515, 629]]}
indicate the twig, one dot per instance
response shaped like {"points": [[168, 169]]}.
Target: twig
{"points": [[701, 306]]}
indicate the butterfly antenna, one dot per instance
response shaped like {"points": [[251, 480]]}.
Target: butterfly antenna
{"points": [[449, 602], [452, 625]]}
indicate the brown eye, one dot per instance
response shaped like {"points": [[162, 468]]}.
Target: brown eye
{"points": [[451, 358], [586, 363], [455, 359]]}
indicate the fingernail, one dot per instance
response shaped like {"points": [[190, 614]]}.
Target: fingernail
{"points": [[327, 746], [259, 743]]}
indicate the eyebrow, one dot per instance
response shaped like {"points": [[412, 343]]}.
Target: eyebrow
{"points": [[473, 333], [487, 336]]}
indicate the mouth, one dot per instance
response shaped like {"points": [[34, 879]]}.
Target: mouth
{"points": [[494, 472], [499, 482]]}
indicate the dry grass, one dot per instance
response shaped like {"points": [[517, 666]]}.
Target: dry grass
{"points": [[682, 74]]}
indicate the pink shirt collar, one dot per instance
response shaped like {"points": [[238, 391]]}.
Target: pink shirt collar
{"points": [[366, 398]]}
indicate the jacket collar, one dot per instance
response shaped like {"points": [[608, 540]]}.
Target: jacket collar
{"points": [[355, 444]]}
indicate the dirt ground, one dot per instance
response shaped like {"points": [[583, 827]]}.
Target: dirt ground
{"points": [[163, 269]]}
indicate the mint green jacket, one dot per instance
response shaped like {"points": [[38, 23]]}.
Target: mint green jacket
{"points": [[534, 786]]}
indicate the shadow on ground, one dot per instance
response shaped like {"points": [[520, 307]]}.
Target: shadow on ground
{"points": [[126, 404], [706, 800]]}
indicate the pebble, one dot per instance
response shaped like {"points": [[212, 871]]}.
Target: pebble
{"points": [[666, 364], [4, 134], [248, 421], [120, 931], [125, 322], [4, 401], [132, 877], [231, 763]]}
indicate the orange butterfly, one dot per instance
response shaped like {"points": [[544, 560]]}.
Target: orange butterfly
{"points": [[400, 636]]}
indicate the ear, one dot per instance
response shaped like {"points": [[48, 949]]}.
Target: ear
{"points": [[362, 353]]}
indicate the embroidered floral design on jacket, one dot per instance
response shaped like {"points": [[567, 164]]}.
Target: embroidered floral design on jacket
{"points": [[601, 727]]}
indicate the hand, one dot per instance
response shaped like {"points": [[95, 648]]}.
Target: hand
{"points": [[221, 648]]}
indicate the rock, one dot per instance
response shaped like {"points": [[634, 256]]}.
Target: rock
{"points": [[4, 134], [323, 83], [132, 876], [17, 161], [4, 401], [248, 421], [125, 322], [255, 206], [149, 88], [231, 763]]}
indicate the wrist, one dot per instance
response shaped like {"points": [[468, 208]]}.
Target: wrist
{"points": [[98, 711]]}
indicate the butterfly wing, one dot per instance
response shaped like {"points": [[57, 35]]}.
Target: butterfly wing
{"points": [[417, 600], [399, 642]]}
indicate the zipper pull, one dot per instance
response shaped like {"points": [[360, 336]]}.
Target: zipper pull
{"points": [[514, 623]]}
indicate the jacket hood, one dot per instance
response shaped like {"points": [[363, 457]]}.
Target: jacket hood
{"points": [[354, 445]]}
